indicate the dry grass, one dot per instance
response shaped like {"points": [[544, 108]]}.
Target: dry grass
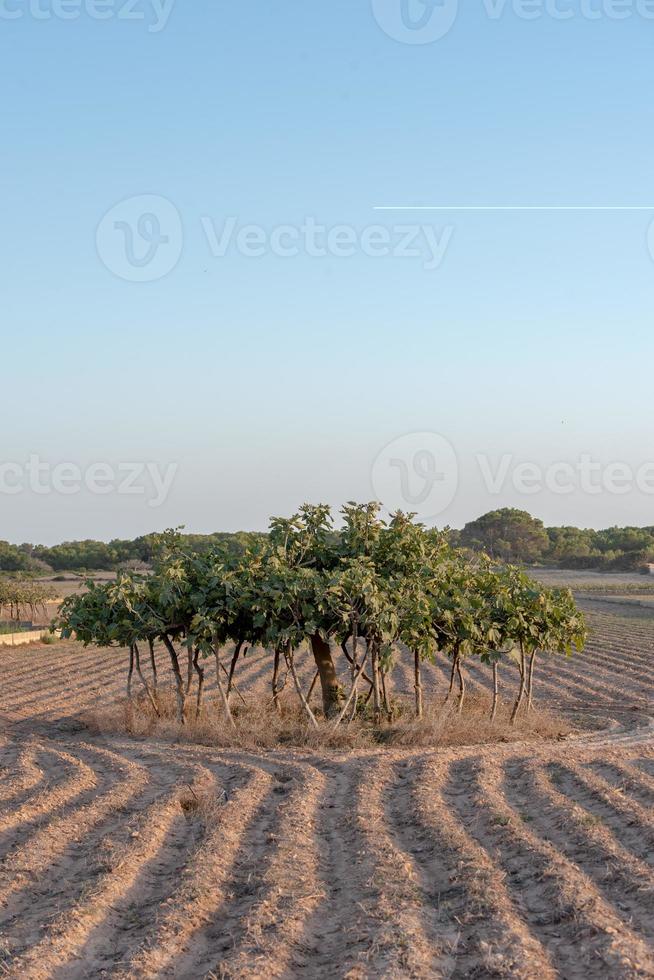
{"points": [[443, 726], [259, 726]]}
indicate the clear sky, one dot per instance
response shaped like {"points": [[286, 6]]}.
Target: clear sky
{"points": [[268, 366]]}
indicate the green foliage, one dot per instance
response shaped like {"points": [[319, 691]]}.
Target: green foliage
{"points": [[514, 536], [384, 582], [98, 555], [507, 534], [15, 559]]}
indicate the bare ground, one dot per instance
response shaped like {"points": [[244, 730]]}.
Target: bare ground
{"points": [[141, 857]]}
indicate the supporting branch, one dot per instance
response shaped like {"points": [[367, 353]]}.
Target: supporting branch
{"points": [[144, 682], [288, 655], [530, 681], [521, 691], [232, 667], [313, 684], [417, 683], [219, 682], [496, 690], [275, 680], [153, 663], [387, 707], [376, 701], [462, 684], [179, 683], [352, 662], [352, 694], [130, 672], [200, 672], [455, 657]]}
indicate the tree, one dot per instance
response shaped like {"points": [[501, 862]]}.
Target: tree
{"points": [[14, 559], [372, 585], [306, 542], [539, 619], [19, 598], [507, 534]]}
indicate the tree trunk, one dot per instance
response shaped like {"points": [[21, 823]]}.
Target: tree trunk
{"points": [[462, 685], [288, 655], [153, 664], [232, 667], [189, 669], [137, 657], [219, 683], [530, 681], [521, 691], [496, 691], [328, 679], [417, 683], [200, 672], [130, 672], [376, 693], [275, 680], [179, 683]]}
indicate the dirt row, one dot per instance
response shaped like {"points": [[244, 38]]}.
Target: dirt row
{"points": [[123, 857]]}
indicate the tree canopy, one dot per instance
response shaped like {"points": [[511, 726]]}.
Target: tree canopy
{"points": [[369, 586]]}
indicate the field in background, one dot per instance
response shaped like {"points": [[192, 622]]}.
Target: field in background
{"points": [[140, 857]]}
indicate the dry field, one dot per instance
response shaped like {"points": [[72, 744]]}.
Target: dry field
{"points": [[129, 857]]}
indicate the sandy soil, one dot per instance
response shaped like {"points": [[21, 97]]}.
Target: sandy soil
{"points": [[140, 858]]}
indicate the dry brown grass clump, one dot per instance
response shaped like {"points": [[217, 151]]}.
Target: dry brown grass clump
{"points": [[259, 726]]}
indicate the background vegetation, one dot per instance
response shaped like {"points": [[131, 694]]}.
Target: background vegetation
{"points": [[506, 535]]}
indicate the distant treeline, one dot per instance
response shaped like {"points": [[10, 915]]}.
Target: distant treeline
{"points": [[516, 536], [507, 534], [91, 556]]}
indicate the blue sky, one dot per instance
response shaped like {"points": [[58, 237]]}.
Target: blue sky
{"points": [[265, 381]]}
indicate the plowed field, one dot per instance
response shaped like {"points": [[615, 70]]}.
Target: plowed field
{"points": [[139, 858]]}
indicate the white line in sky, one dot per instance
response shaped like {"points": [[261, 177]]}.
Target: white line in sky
{"points": [[514, 207]]}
